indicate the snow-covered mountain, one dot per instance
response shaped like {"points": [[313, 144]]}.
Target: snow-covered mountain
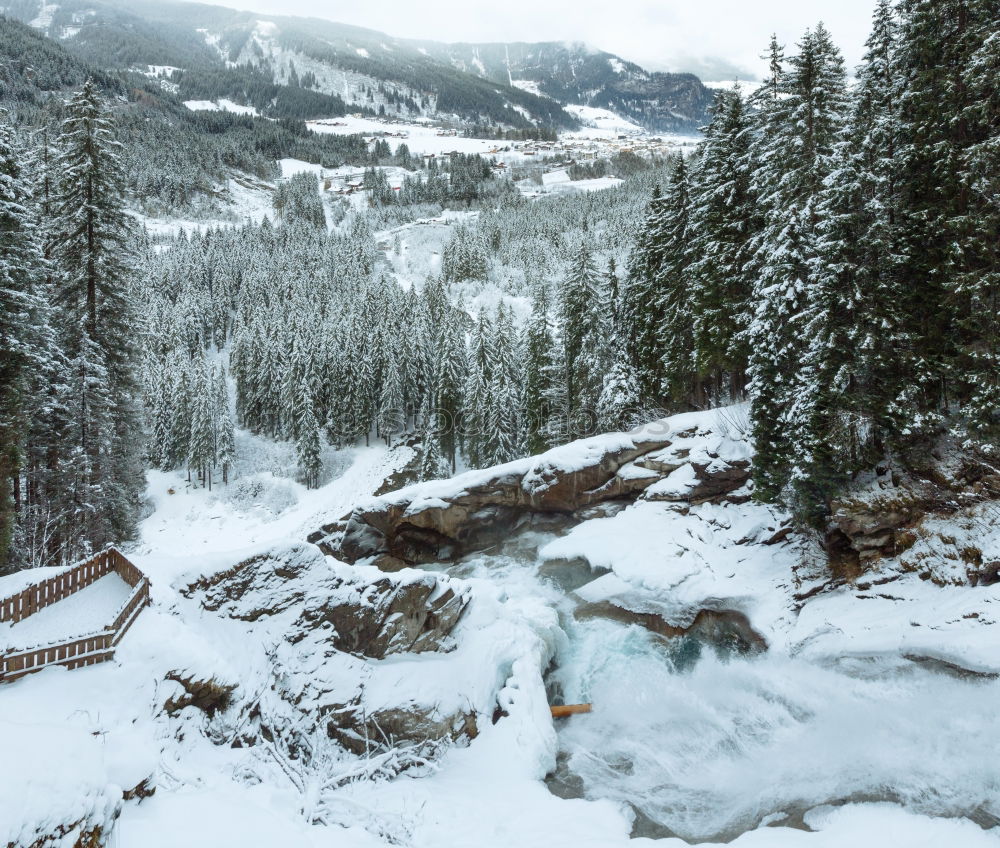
{"points": [[576, 73], [215, 52]]}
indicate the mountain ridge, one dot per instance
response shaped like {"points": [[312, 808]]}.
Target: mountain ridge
{"points": [[511, 84]]}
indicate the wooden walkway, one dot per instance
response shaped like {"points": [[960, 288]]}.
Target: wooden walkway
{"points": [[85, 649]]}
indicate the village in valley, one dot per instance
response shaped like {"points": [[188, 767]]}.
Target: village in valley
{"points": [[538, 166]]}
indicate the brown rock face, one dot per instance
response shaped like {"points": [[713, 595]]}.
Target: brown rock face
{"points": [[863, 531], [985, 574], [375, 619], [413, 526], [361, 732], [390, 618], [209, 695], [723, 628], [881, 519]]}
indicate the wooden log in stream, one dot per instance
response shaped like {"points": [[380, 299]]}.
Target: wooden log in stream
{"points": [[562, 710]]}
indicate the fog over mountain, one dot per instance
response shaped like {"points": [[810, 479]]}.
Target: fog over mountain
{"points": [[720, 39]]}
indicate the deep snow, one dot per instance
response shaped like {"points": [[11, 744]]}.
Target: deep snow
{"points": [[704, 745]]}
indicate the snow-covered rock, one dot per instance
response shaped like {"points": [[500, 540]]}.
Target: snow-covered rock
{"points": [[414, 612], [320, 626], [444, 519]]}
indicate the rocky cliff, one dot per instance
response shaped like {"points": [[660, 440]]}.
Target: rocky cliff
{"points": [[668, 461]]}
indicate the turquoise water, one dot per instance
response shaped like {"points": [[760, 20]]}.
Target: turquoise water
{"points": [[704, 745]]}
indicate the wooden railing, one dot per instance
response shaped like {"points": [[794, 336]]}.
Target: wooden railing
{"points": [[80, 650]]}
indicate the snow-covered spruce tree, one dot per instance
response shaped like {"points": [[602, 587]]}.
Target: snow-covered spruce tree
{"points": [[778, 320], [307, 443], [297, 201], [181, 399], [25, 340], [558, 427], [417, 356], [476, 393], [449, 384], [391, 415], [300, 375], [91, 251], [800, 117], [610, 300], [499, 442], [947, 247], [978, 283], [536, 351], [641, 303], [851, 372], [580, 322], [675, 339], [157, 383], [377, 187], [201, 445], [225, 442], [464, 256], [721, 221], [620, 404], [431, 462]]}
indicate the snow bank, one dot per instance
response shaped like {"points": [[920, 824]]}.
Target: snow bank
{"points": [[79, 739]]}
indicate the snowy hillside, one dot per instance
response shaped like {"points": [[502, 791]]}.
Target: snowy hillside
{"points": [[357, 69], [226, 694], [575, 73]]}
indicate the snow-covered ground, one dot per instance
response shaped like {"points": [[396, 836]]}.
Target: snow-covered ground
{"points": [[554, 182], [604, 121], [43, 20], [81, 737], [221, 105], [243, 198], [255, 511], [530, 86], [603, 134], [833, 737], [422, 138]]}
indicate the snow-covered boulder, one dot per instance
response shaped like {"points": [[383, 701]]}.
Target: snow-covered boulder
{"points": [[321, 628], [687, 457], [370, 618]]}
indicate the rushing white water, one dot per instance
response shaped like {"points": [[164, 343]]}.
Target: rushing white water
{"points": [[713, 750], [708, 746]]}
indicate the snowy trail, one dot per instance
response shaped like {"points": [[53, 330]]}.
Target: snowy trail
{"points": [[195, 530]]}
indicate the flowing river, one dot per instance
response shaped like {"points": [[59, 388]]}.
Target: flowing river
{"points": [[705, 743]]}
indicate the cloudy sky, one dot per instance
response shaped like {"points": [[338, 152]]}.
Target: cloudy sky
{"points": [[714, 38]]}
